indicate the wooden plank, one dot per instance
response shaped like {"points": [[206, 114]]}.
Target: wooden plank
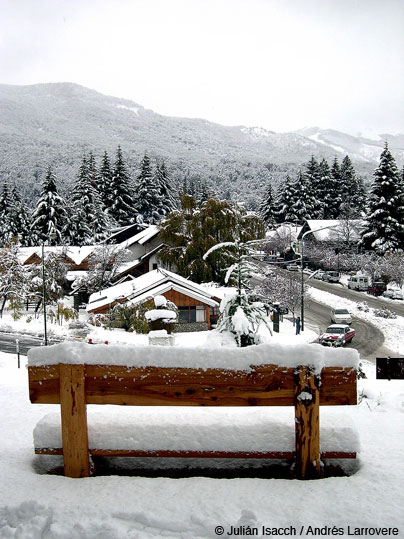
{"points": [[266, 385], [74, 420], [196, 454], [154, 386], [44, 387], [307, 424]]}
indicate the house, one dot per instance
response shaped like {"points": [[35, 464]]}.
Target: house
{"points": [[195, 304], [335, 232]]}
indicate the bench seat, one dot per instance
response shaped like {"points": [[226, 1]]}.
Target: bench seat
{"points": [[199, 432]]}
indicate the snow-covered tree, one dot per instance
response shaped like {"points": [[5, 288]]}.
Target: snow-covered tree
{"points": [[105, 184], [103, 266], [167, 199], [311, 190], [286, 200], [384, 230], [283, 288], [13, 277], [6, 226], [88, 224], [49, 220], [149, 203], [267, 207], [120, 203], [188, 233]]}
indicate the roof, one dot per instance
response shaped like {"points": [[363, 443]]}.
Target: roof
{"points": [[147, 286], [332, 229], [285, 231], [76, 254], [121, 234], [141, 237]]}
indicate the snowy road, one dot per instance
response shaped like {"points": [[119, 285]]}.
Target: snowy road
{"points": [[368, 338]]}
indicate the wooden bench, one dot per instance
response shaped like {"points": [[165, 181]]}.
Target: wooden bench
{"points": [[73, 386]]}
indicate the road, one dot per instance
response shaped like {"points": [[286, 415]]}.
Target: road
{"points": [[395, 306], [8, 344], [368, 338]]}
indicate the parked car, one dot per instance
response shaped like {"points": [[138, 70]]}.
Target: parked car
{"points": [[331, 276], [292, 267], [337, 335], [358, 282], [341, 316], [377, 288], [319, 275], [393, 293]]}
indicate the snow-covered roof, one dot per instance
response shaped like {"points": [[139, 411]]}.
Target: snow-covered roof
{"points": [[142, 237], [335, 228], [285, 231], [77, 254], [147, 286]]}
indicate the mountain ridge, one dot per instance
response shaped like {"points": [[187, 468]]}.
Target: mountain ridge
{"points": [[56, 123]]}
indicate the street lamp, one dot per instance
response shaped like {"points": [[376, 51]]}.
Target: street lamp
{"points": [[301, 269], [51, 237]]}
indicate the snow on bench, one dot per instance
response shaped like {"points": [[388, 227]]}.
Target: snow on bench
{"points": [[76, 374]]}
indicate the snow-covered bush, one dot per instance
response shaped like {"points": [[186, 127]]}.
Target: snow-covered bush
{"points": [[363, 306], [384, 313], [164, 316], [241, 318]]}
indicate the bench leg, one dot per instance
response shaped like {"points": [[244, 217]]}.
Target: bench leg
{"points": [[74, 421], [307, 425]]}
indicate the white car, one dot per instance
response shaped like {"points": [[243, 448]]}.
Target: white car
{"points": [[319, 275], [393, 293], [292, 267], [341, 316]]}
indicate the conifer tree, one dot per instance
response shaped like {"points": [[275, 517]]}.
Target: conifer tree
{"points": [[312, 190], [105, 182], [89, 223], [20, 224], [384, 229], [348, 180], [286, 200], [267, 208], [149, 199], [120, 202], [167, 200], [6, 229], [49, 219]]}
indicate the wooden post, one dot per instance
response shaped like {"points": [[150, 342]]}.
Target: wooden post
{"points": [[307, 424], [74, 420]]}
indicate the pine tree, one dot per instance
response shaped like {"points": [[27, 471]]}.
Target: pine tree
{"points": [[49, 219], [348, 180], [384, 229], [336, 199], [149, 198], [166, 196], [120, 202], [105, 182], [286, 200], [267, 208], [311, 189], [6, 228], [20, 224]]}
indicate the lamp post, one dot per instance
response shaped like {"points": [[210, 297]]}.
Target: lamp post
{"points": [[44, 295], [301, 270], [51, 236]]}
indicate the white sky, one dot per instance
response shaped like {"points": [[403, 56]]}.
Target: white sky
{"points": [[279, 64]]}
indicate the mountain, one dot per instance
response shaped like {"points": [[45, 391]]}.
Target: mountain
{"points": [[54, 124], [359, 148]]}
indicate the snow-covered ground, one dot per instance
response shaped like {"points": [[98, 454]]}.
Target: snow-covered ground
{"points": [[34, 505]]}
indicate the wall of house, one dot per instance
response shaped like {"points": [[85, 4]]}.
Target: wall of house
{"points": [[181, 300], [138, 250]]}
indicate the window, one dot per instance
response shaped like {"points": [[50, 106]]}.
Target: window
{"points": [[192, 314]]}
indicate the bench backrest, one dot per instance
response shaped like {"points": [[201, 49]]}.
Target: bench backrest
{"points": [[264, 385]]}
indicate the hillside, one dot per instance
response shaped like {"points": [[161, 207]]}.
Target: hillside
{"points": [[56, 123]]}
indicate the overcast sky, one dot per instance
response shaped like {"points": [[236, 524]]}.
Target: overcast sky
{"points": [[278, 64]]}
